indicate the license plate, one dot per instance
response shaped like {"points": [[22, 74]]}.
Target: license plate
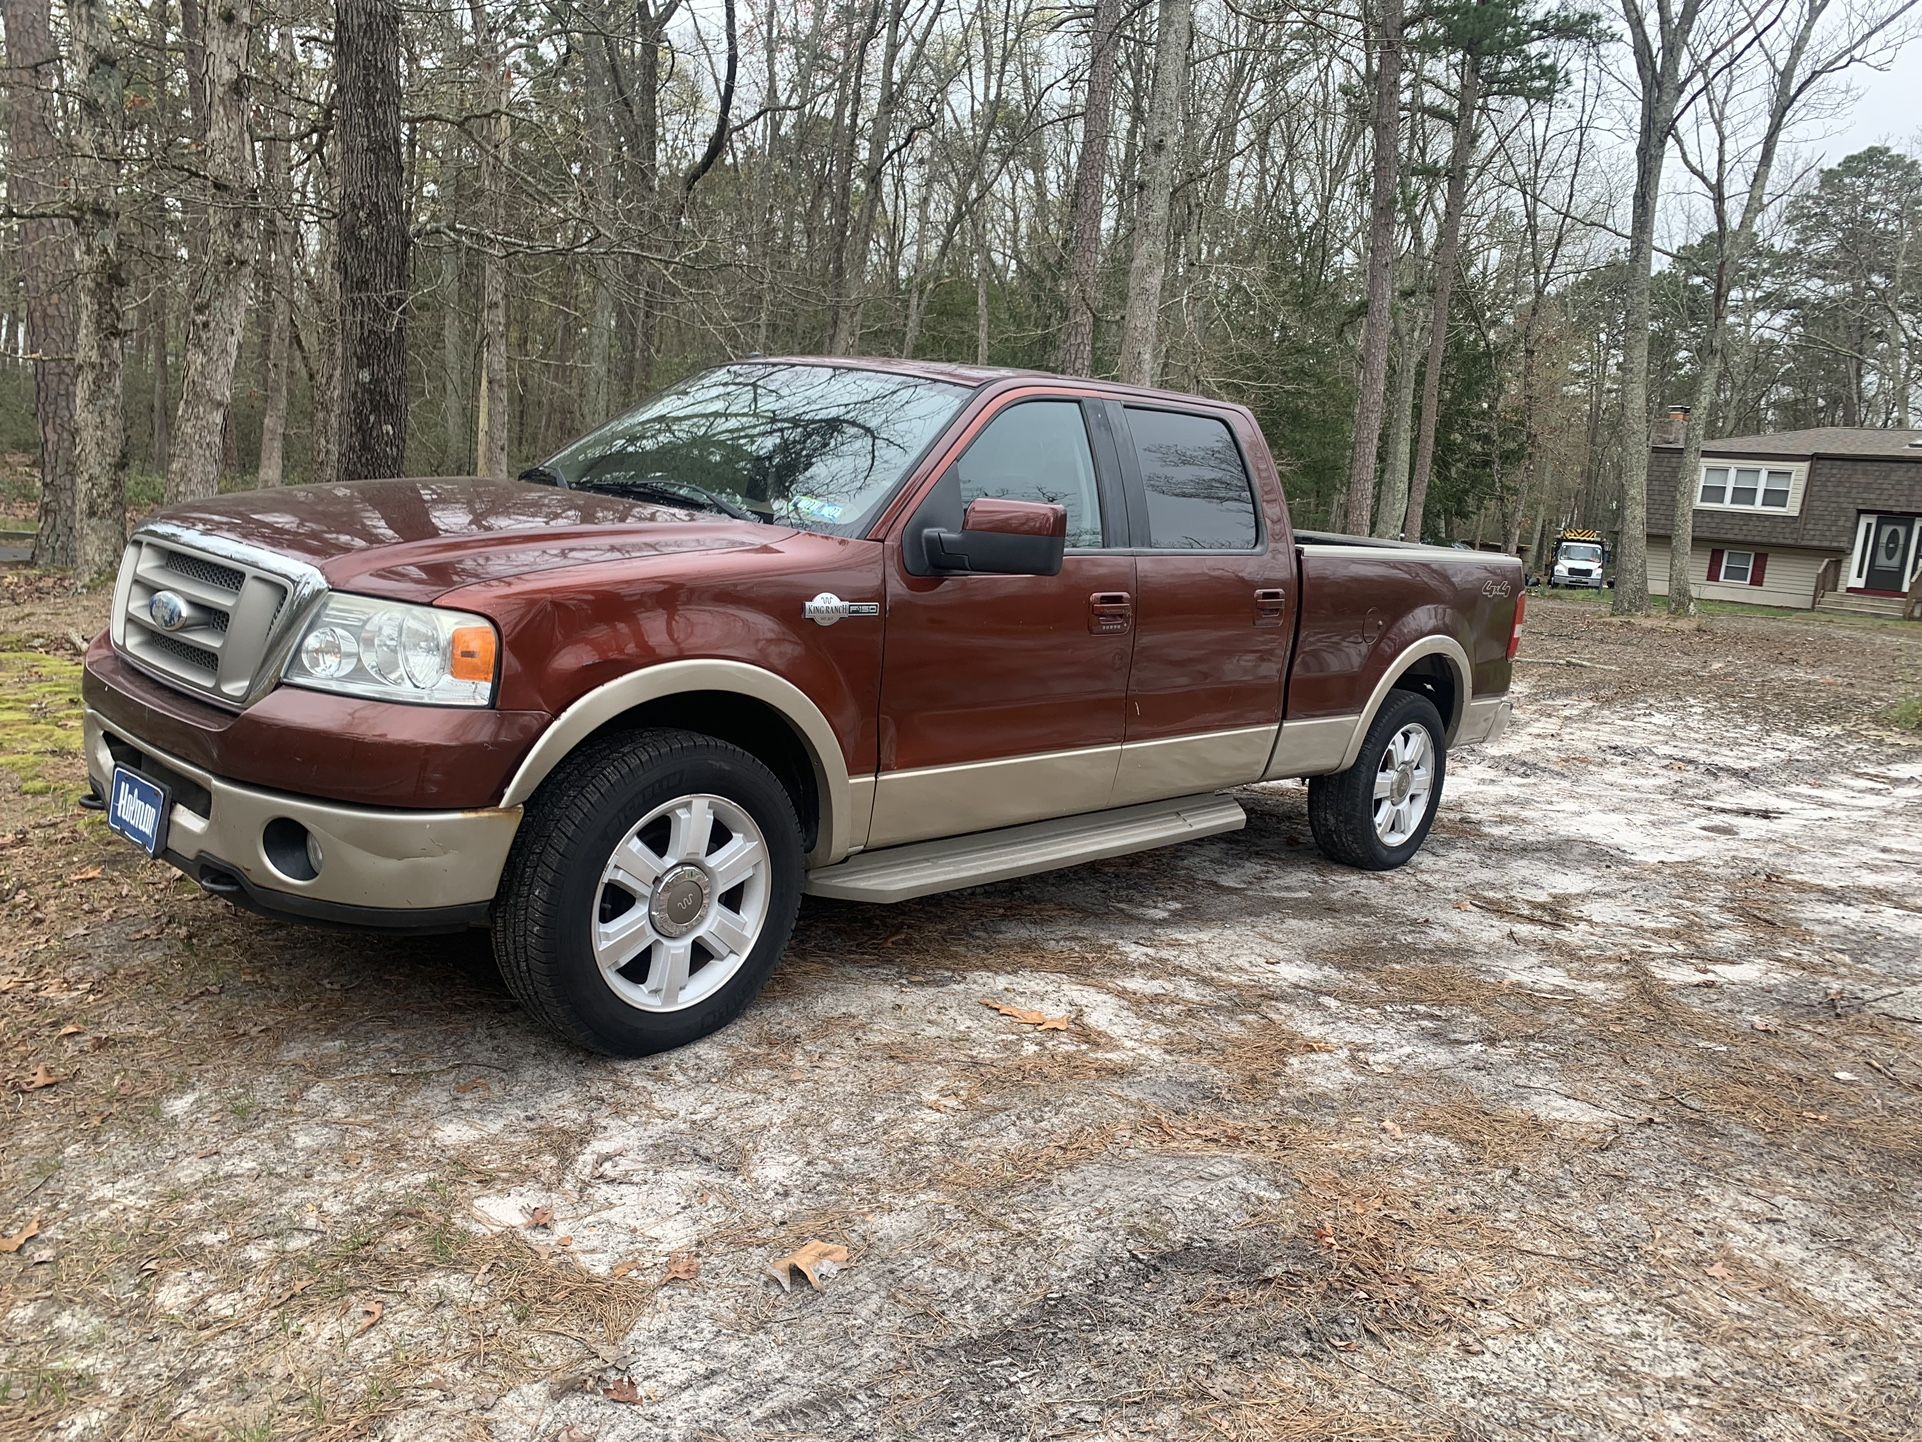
{"points": [[137, 809]]}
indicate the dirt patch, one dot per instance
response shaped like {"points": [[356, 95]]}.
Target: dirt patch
{"points": [[1596, 1121]]}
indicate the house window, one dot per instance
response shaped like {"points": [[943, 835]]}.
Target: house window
{"points": [[1737, 568], [1727, 486]]}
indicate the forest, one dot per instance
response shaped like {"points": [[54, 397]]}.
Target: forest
{"points": [[1458, 256]]}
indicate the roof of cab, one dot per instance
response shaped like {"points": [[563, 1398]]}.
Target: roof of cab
{"points": [[957, 373]]}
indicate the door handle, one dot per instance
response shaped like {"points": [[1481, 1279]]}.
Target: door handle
{"points": [[1271, 606], [1111, 613]]}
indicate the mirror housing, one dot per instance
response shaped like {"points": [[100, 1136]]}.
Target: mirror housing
{"points": [[1000, 538]]}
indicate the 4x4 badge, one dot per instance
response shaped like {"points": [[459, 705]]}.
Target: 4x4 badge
{"points": [[827, 608]]}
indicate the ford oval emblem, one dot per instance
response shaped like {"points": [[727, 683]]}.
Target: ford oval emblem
{"points": [[167, 610]]}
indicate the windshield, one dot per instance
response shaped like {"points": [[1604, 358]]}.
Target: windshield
{"points": [[816, 447], [1581, 553]]}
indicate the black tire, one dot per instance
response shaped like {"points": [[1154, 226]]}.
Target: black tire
{"points": [[1341, 807], [550, 887]]}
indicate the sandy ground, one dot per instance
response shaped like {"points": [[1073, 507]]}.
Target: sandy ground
{"points": [[1600, 1120]]}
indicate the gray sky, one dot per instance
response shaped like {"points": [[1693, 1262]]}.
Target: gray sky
{"points": [[1889, 110]]}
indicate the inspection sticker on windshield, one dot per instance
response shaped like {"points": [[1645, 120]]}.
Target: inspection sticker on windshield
{"points": [[810, 509], [137, 809]]}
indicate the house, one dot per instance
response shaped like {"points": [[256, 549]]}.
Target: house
{"points": [[1829, 516]]}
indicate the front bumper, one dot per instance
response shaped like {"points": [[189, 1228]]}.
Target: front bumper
{"points": [[1580, 583], [412, 870]]}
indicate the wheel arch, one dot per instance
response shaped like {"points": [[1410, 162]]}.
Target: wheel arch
{"points": [[744, 705], [1434, 666]]}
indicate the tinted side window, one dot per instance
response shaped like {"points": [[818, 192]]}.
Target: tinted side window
{"points": [[1198, 493], [1037, 451]]}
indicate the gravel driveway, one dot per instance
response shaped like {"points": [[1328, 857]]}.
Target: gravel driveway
{"points": [[1600, 1120]]}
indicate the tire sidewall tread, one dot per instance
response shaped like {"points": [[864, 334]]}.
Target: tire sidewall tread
{"points": [[1341, 807], [551, 880]]}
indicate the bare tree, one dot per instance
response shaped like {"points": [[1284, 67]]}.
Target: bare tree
{"points": [[227, 226], [1788, 74], [1148, 268], [490, 396], [1371, 387], [46, 258], [276, 159], [373, 241], [100, 489], [1660, 42], [1075, 355]]}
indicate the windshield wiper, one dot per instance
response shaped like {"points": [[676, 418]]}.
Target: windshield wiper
{"points": [[686, 492]]}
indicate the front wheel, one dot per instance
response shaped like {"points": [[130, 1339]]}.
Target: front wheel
{"points": [[1376, 814], [651, 888]]}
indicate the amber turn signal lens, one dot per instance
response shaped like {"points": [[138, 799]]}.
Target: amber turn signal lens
{"points": [[471, 654]]}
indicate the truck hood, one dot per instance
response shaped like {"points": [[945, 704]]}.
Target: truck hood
{"points": [[418, 539]]}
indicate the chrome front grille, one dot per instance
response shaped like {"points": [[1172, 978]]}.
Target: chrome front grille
{"points": [[231, 627]]}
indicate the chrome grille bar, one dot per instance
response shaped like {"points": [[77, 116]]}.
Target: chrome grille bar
{"points": [[228, 613]]}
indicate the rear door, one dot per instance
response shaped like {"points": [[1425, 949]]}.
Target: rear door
{"points": [[1002, 696], [1214, 601]]}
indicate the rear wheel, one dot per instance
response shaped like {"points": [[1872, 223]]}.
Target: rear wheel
{"points": [[651, 888], [1376, 814]]}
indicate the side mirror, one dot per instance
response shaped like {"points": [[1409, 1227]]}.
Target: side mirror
{"points": [[1000, 538]]}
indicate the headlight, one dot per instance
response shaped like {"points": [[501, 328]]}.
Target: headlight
{"points": [[395, 652]]}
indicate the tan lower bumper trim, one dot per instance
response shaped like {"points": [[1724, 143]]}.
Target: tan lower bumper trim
{"points": [[385, 859]]}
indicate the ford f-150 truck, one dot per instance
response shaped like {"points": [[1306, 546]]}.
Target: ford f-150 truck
{"points": [[855, 629]]}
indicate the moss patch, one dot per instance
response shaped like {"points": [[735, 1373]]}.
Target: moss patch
{"points": [[40, 713]]}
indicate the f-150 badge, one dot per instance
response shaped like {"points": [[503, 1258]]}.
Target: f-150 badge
{"points": [[827, 608]]}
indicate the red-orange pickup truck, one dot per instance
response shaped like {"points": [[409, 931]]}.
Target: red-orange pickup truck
{"points": [[859, 629]]}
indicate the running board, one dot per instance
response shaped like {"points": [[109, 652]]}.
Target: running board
{"points": [[901, 873]]}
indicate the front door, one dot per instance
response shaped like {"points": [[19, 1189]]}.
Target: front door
{"points": [[1002, 696], [1889, 548]]}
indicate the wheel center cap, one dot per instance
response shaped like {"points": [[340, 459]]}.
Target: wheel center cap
{"points": [[679, 902], [1404, 783]]}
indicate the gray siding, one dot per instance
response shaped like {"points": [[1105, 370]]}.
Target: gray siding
{"points": [[1839, 488]]}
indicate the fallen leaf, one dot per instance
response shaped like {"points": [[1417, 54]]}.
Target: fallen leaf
{"points": [[91, 874], [805, 1259], [1039, 1020], [70, 1029], [19, 1238], [43, 1077], [684, 1268], [621, 1269], [623, 1391], [539, 1217], [1716, 1270], [478, 1084], [1762, 1023], [1392, 1131], [370, 1313], [566, 1241]]}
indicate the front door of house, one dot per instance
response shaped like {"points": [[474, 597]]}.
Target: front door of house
{"points": [[1889, 538]]}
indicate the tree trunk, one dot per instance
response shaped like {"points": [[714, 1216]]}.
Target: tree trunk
{"points": [[218, 306], [1075, 356], [490, 398], [1148, 267], [46, 258], [846, 332], [271, 465], [1392, 504], [373, 240], [100, 434], [1371, 384], [1448, 251], [1658, 63]]}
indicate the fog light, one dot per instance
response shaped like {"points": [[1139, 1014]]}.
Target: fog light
{"points": [[290, 849]]}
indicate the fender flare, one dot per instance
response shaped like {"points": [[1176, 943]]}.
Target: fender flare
{"points": [[1446, 646], [607, 702]]}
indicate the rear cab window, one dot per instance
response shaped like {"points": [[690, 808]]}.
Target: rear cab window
{"points": [[1198, 491]]}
